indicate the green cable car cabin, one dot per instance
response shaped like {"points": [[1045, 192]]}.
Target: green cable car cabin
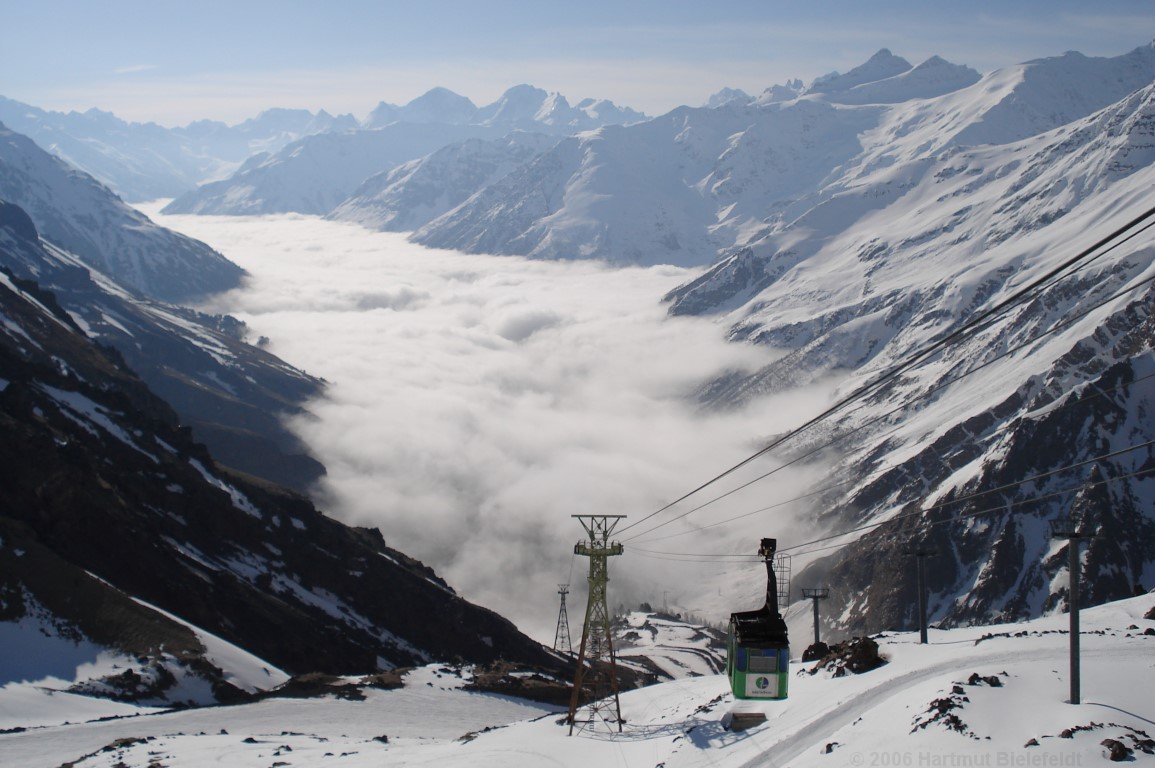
{"points": [[758, 654]]}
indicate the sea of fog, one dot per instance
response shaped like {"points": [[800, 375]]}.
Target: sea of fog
{"points": [[476, 402]]}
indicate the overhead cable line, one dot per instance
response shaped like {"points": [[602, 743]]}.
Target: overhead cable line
{"points": [[863, 390], [883, 470], [989, 510], [1011, 350], [933, 507], [708, 558]]}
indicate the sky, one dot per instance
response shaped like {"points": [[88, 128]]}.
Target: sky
{"points": [[176, 62]]}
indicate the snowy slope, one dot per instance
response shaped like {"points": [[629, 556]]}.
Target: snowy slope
{"points": [[316, 173], [933, 77], [416, 192], [896, 714], [77, 213], [673, 648], [895, 253], [53, 673]]}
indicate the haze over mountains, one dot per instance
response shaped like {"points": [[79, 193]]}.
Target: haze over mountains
{"points": [[846, 226]]}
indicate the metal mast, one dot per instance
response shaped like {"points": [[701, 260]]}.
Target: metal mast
{"points": [[1068, 528], [561, 638], [816, 594], [597, 646], [920, 573]]}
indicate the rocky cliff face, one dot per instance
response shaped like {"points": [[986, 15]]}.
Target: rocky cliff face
{"points": [[98, 472], [234, 396]]}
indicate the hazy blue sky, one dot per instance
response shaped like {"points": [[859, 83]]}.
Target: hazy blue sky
{"points": [[173, 62]]}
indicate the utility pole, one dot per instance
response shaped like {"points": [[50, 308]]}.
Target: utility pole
{"points": [[922, 554], [816, 594], [561, 638], [1067, 528], [597, 630]]}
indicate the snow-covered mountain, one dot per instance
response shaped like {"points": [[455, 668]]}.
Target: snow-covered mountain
{"points": [[522, 107], [415, 193], [933, 77], [233, 396], [917, 234], [526, 108], [315, 174], [146, 161], [672, 190], [881, 66], [728, 96], [682, 187], [74, 211], [787, 91], [437, 105]]}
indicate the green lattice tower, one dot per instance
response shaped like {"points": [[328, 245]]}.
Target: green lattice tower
{"points": [[597, 646], [561, 637]]}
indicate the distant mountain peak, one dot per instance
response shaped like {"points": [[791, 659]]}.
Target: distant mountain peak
{"points": [[880, 66], [728, 96], [791, 89]]}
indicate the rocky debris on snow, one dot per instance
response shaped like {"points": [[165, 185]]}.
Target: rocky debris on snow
{"points": [[944, 710], [1117, 749], [119, 746], [316, 684], [1150, 614], [471, 735], [1021, 633], [857, 655], [130, 685], [709, 705], [815, 651], [522, 682]]}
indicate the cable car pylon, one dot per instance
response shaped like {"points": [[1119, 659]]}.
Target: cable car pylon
{"points": [[597, 646], [561, 638]]}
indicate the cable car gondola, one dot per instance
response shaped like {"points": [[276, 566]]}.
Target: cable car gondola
{"points": [[758, 653]]}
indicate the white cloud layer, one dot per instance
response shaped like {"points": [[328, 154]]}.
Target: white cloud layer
{"points": [[477, 402]]}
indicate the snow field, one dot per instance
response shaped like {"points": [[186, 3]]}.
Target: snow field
{"points": [[868, 718]]}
